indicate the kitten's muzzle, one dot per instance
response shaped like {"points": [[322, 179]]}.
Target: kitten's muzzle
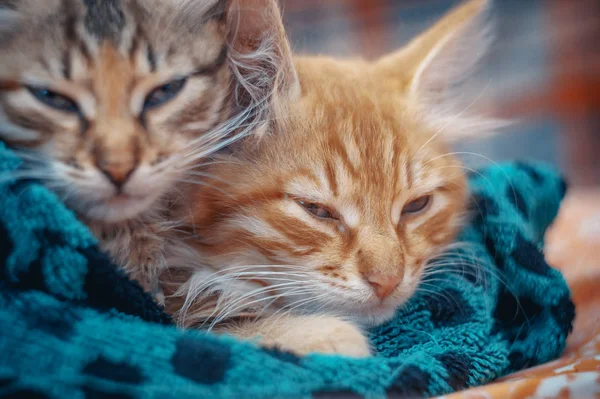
{"points": [[383, 285], [117, 174]]}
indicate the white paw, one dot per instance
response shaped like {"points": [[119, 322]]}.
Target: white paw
{"points": [[320, 334]]}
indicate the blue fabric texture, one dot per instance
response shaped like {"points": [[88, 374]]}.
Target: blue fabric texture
{"points": [[73, 326]]}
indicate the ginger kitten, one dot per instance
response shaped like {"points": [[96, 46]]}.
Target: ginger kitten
{"points": [[324, 223], [114, 103]]}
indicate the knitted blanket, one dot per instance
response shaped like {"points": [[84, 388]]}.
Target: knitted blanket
{"points": [[73, 326]]}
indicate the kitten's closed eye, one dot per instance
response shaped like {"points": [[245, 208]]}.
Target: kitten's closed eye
{"points": [[417, 206], [317, 210], [164, 93], [53, 99]]}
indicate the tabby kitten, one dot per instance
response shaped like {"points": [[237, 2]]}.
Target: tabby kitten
{"points": [[113, 104], [325, 222]]}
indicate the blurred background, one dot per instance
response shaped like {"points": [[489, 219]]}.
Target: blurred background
{"points": [[543, 70]]}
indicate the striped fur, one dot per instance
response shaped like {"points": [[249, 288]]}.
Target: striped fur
{"points": [[354, 141], [107, 57]]}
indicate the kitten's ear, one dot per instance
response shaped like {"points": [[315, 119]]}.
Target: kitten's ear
{"points": [[261, 58], [433, 70]]}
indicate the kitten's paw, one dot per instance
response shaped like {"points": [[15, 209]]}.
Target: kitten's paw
{"points": [[322, 334]]}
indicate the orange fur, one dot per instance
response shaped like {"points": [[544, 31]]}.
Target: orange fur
{"points": [[352, 144]]}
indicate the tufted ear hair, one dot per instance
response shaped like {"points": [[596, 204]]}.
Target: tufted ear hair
{"points": [[261, 58], [433, 70]]}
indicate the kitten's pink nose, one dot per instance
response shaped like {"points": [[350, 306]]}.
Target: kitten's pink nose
{"points": [[117, 174], [383, 284]]}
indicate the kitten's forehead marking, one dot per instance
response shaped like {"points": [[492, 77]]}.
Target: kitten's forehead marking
{"points": [[396, 211], [324, 179], [350, 214], [352, 151], [306, 188], [104, 19]]}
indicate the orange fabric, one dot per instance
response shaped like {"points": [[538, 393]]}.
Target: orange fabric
{"points": [[573, 246]]}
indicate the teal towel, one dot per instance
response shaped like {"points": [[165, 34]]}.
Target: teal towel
{"points": [[73, 326]]}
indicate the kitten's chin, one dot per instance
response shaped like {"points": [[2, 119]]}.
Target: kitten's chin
{"points": [[117, 209], [374, 317]]}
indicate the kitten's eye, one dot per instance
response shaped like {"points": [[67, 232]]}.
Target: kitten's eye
{"points": [[317, 210], [164, 93], [52, 99], [417, 206]]}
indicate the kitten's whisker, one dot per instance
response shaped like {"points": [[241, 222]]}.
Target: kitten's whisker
{"points": [[205, 174], [449, 122], [291, 292], [296, 305], [233, 307], [192, 291], [203, 184], [434, 293], [212, 142], [257, 268], [195, 291], [512, 187], [477, 268]]}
